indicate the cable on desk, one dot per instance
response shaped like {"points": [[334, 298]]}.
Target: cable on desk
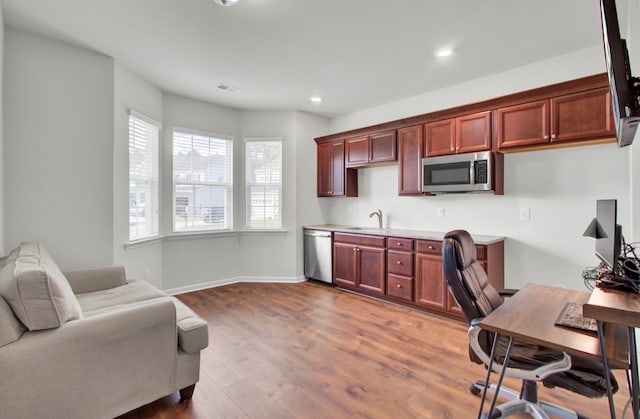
{"points": [[590, 276]]}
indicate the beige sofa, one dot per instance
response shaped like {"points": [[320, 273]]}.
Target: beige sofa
{"points": [[89, 344]]}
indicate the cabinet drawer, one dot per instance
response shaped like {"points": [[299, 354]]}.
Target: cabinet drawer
{"points": [[396, 243], [376, 241], [400, 287], [400, 263], [429, 246]]}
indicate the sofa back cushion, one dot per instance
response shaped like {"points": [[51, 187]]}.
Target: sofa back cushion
{"points": [[36, 290], [10, 327]]}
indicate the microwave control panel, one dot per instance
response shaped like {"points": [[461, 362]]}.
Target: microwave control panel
{"points": [[481, 171]]}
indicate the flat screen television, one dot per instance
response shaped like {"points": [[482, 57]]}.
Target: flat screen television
{"points": [[624, 89], [608, 242]]}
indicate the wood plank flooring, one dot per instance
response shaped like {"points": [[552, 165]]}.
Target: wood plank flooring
{"points": [[310, 351]]}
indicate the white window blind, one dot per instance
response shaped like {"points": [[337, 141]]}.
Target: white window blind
{"points": [[144, 136], [264, 183], [202, 182]]}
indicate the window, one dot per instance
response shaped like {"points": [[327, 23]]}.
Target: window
{"points": [[143, 176], [264, 183], [202, 182]]}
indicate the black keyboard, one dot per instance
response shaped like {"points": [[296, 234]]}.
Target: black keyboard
{"points": [[571, 316]]}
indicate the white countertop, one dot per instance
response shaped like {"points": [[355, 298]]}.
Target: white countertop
{"points": [[410, 234]]}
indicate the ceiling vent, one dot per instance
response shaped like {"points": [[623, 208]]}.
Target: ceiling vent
{"points": [[227, 87]]}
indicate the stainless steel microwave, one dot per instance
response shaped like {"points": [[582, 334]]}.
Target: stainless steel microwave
{"points": [[468, 172]]}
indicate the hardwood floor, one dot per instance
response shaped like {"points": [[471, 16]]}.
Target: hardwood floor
{"points": [[310, 351]]}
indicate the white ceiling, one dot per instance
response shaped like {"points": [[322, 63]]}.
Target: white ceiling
{"points": [[354, 53]]}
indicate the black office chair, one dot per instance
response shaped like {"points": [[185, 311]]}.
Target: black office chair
{"points": [[477, 297]]}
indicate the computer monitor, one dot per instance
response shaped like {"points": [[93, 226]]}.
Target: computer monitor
{"points": [[608, 242]]}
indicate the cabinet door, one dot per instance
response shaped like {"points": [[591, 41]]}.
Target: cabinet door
{"points": [[382, 147], [371, 269], [410, 151], [521, 125], [337, 169], [440, 137], [345, 264], [473, 132], [429, 279], [582, 116], [357, 151], [325, 181]]}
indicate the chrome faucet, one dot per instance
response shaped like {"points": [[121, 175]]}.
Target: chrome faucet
{"points": [[379, 214]]}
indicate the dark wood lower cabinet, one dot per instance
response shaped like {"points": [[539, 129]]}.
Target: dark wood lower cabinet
{"points": [[406, 271], [359, 262], [430, 284]]}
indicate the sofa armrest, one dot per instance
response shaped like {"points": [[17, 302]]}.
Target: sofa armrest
{"points": [[90, 280], [100, 366]]}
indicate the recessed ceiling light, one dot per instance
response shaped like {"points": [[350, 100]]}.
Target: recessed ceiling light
{"points": [[443, 52], [226, 2], [315, 99]]}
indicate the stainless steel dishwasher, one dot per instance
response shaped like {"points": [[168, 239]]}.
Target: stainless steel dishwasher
{"points": [[318, 259]]}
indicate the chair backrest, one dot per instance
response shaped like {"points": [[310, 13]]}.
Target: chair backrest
{"points": [[465, 276]]}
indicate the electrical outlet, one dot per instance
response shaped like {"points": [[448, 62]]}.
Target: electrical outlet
{"points": [[440, 212], [525, 214]]}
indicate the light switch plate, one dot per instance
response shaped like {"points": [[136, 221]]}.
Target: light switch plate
{"points": [[440, 212], [525, 214]]}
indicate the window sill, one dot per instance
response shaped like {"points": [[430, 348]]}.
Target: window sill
{"points": [[142, 242], [190, 235], [200, 234], [257, 232]]}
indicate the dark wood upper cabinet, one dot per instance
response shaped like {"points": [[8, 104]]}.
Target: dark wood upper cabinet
{"points": [[333, 179], [473, 132], [357, 151], [576, 117], [371, 149], [410, 152], [463, 134], [383, 147], [522, 125], [440, 137], [582, 116]]}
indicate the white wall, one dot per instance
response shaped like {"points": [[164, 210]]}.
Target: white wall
{"points": [[558, 186], [190, 261], [131, 93], [68, 170], [2, 252], [309, 208], [58, 149]]}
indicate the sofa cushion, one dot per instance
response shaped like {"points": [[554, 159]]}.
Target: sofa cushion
{"points": [[193, 333], [10, 327], [135, 290], [36, 290]]}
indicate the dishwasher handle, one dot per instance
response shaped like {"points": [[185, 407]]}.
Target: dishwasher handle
{"points": [[315, 233]]}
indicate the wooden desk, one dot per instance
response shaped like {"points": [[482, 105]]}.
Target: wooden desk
{"points": [[622, 308], [529, 317], [614, 306]]}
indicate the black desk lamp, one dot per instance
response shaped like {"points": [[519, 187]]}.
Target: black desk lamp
{"points": [[595, 230]]}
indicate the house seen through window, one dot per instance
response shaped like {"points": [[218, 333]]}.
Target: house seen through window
{"points": [[202, 182], [143, 177], [264, 183]]}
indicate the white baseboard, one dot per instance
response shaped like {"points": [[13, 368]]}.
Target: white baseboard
{"points": [[234, 280]]}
